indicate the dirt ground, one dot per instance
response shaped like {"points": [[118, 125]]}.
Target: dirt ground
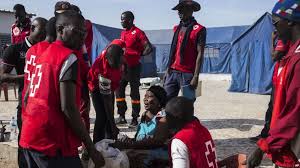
{"points": [[231, 118]]}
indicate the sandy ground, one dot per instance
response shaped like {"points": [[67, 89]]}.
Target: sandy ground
{"points": [[231, 118]]}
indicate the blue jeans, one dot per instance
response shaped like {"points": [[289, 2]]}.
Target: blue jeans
{"points": [[176, 80]]}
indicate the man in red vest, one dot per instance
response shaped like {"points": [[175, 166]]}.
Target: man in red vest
{"points": [[21, 28], [137, 45], [14, 57], [52, 128], [36, 50], [186, 54], [192, 145], [103, 80], [282, 145]]}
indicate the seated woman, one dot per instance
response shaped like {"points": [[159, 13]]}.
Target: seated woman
{"points": [[152, 132]]}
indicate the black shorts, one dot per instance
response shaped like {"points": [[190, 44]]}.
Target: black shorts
{"points": [[36, 159]]}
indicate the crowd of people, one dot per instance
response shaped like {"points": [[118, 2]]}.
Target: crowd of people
{"points": [[56, 78]]}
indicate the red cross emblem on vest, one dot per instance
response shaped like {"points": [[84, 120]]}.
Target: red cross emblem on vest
{"points": [[35, 80], [298, 49], [210, 154], [29, 63], [16, 31]]}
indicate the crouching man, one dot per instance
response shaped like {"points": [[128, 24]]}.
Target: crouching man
{"points": [[103, 79], [192, 144]]}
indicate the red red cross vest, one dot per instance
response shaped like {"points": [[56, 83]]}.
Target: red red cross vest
{"points": [[31, 57], [44, 127], [18, 34], [190, 53], [202, 151]]}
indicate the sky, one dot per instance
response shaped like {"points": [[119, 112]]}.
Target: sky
{"points": [[155, 14]]}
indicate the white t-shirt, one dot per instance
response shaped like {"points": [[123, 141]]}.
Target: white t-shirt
{"points": [[180, 154]]}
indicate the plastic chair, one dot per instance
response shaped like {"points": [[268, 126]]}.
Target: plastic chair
{"points": [[4, 87]]}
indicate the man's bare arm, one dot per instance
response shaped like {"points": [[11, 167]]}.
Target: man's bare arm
{"points": [[5, 75], [200, 58], [199, 62], [72, 115], [71, 112], [147, 48]]}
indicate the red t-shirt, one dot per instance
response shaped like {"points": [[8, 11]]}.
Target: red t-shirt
{"points": [[18, 34], [135, 40], [111, 76]]}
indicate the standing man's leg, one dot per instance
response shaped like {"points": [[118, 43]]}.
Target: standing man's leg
{"points": [[121, 101], [134, 74], [21, 158], [101, 119], [171, 84]]}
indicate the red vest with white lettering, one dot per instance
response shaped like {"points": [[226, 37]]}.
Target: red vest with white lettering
{"points": [[201, 148], [44, 126], [190, 52]]}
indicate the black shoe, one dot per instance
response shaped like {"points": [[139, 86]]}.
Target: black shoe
{"points": [[121, 121], [134, 123], [255, 139]]}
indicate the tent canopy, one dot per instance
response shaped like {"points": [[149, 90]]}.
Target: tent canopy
{"points": [[251, 64], [243, 51]]}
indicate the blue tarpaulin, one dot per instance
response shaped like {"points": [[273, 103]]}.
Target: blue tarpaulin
{"points": [[219, 38], [251, 63], [103, 35], [243, 51]]}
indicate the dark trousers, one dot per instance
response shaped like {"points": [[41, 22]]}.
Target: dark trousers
{"points": [[36, 159], [176, 80], [102, 128], [132, 76], [21, 157], [268, 117]]}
